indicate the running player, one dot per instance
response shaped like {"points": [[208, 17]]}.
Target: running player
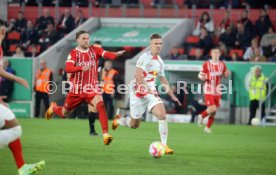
{"points": [[143, 94], [212, 72], [82, 64]]}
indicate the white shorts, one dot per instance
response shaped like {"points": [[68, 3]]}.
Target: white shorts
{"points": [[138, 105], [5, 115]]}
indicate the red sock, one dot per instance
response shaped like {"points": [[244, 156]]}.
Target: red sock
{"points": [[102, 116], [16, 150], [210, 121], [58, 110], [204, 114]]}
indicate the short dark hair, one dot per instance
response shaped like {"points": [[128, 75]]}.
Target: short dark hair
{"points": [[79, 33], [215, 48], [98, 42], [155, 36]]}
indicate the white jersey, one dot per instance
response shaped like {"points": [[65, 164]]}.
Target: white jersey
{"points": [[153, 67]]}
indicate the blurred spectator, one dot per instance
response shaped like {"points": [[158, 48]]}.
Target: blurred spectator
{"points": [[204, 21], [268, 37], [189, 3], [206, 41], [20, 23], [247, 23], [6, 87], [198, 55], [270, 51], [158, 2], [226, 22], [257, 56], [18, 53], [243, 38], [43, 21], [250, 50], [33, 53], [11, 27], [228, 37], [29, 35], [66, 23], [79, 18], [235, 57], [175, 55], [49, 37], [223, 51], [263, 23]]}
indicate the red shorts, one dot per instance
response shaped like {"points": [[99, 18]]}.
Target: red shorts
{"points": [[73, 100], [212, 100]]}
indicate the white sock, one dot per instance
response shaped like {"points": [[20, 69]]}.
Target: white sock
{"points": [[163, 131], [124, 121], [9, 135]]}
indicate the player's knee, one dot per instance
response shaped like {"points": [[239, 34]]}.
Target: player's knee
{"points": [[135, 125], [161, 116], [17, 131]]}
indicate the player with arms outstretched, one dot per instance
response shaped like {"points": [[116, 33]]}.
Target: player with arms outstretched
{"points": [[82, 66], [212, 72], [143, 93], [10, 129]]}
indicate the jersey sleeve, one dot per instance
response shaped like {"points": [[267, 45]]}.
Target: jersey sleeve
{"points": [[141, 63], [162, 70], [103, 53], [204, 68], [72, 57]]}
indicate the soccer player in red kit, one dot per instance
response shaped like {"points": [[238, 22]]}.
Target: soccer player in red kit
{"points": [[82, 66], [10, 129], [212, 72]]}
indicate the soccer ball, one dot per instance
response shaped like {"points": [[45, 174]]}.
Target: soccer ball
{"points": [[157, 149], [255, 121]]}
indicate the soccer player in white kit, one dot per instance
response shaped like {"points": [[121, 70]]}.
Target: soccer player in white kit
{"points": [[143, 93], [10, 130]]}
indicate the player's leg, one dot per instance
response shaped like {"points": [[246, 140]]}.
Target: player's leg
{"points": [[159, 111], [211, 108], [70, 103], [10, 136], [92, 117], [97, 101], [138, 106], [213, 111]]}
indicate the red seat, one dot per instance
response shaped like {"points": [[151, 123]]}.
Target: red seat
{"points": [[238, 51], [193, 51], [38, 47], [13, 36], [192, 39], [12, 48]]}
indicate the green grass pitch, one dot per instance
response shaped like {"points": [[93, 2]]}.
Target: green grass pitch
{"points": [[68, 149]]}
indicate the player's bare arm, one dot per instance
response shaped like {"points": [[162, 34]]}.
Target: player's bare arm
{"points": [[166, 84], [12, 77], [119, 53], [202, 76], [226, 73]]}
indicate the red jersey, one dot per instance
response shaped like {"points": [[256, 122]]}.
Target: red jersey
{"points": [[214, 72], [85, 82]]}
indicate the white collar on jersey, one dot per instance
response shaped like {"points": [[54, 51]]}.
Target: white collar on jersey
{"points": [[214, 62], [85, 51]]}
